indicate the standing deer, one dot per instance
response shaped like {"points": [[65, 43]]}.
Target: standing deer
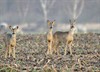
{"points": [[50, 36], [10, 42], [68, 38]]}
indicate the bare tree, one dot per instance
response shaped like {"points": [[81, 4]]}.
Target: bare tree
{"points": [[46, 6], [23, 7], [74, 8]]}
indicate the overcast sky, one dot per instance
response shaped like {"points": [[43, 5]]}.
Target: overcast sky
{"points": [[37, 12]]}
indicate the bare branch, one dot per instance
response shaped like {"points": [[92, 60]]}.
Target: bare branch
{"points": [[76, 9], [22, 8], [81, 8], [46, 5]]}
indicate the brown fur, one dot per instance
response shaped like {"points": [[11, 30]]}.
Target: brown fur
{"points": [[50, 36], [68, 38], [10, 42]]}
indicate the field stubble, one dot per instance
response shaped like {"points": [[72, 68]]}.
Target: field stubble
{"points": [[31, 55]]}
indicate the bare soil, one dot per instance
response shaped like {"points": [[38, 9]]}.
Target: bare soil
{"points": [[31, 54]]}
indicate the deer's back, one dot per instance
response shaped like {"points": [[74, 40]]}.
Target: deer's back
{"points": [[7, 37], [60, 36]]}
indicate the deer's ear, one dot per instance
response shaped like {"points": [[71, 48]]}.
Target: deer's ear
{"points": [[17, 27], [48, 22], [10, 27], [53, 22]]}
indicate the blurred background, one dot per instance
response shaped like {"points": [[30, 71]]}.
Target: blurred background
{"points": [[31, 15]]}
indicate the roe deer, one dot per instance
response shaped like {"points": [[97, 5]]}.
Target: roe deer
{"points": [[68, 38], [50, 36], [10, 42]]}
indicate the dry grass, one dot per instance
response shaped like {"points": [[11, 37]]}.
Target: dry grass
{"points": [[31, 55]]}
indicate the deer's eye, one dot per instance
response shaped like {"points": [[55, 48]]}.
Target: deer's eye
{"points": [[72, 26]]}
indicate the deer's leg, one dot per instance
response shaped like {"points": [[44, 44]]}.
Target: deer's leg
{"points": [[13, 53], [9, 50], [48, 51], [51, 47], [57, 48], [70, 48], [66, 48], [54, 48], [6, 52]]}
